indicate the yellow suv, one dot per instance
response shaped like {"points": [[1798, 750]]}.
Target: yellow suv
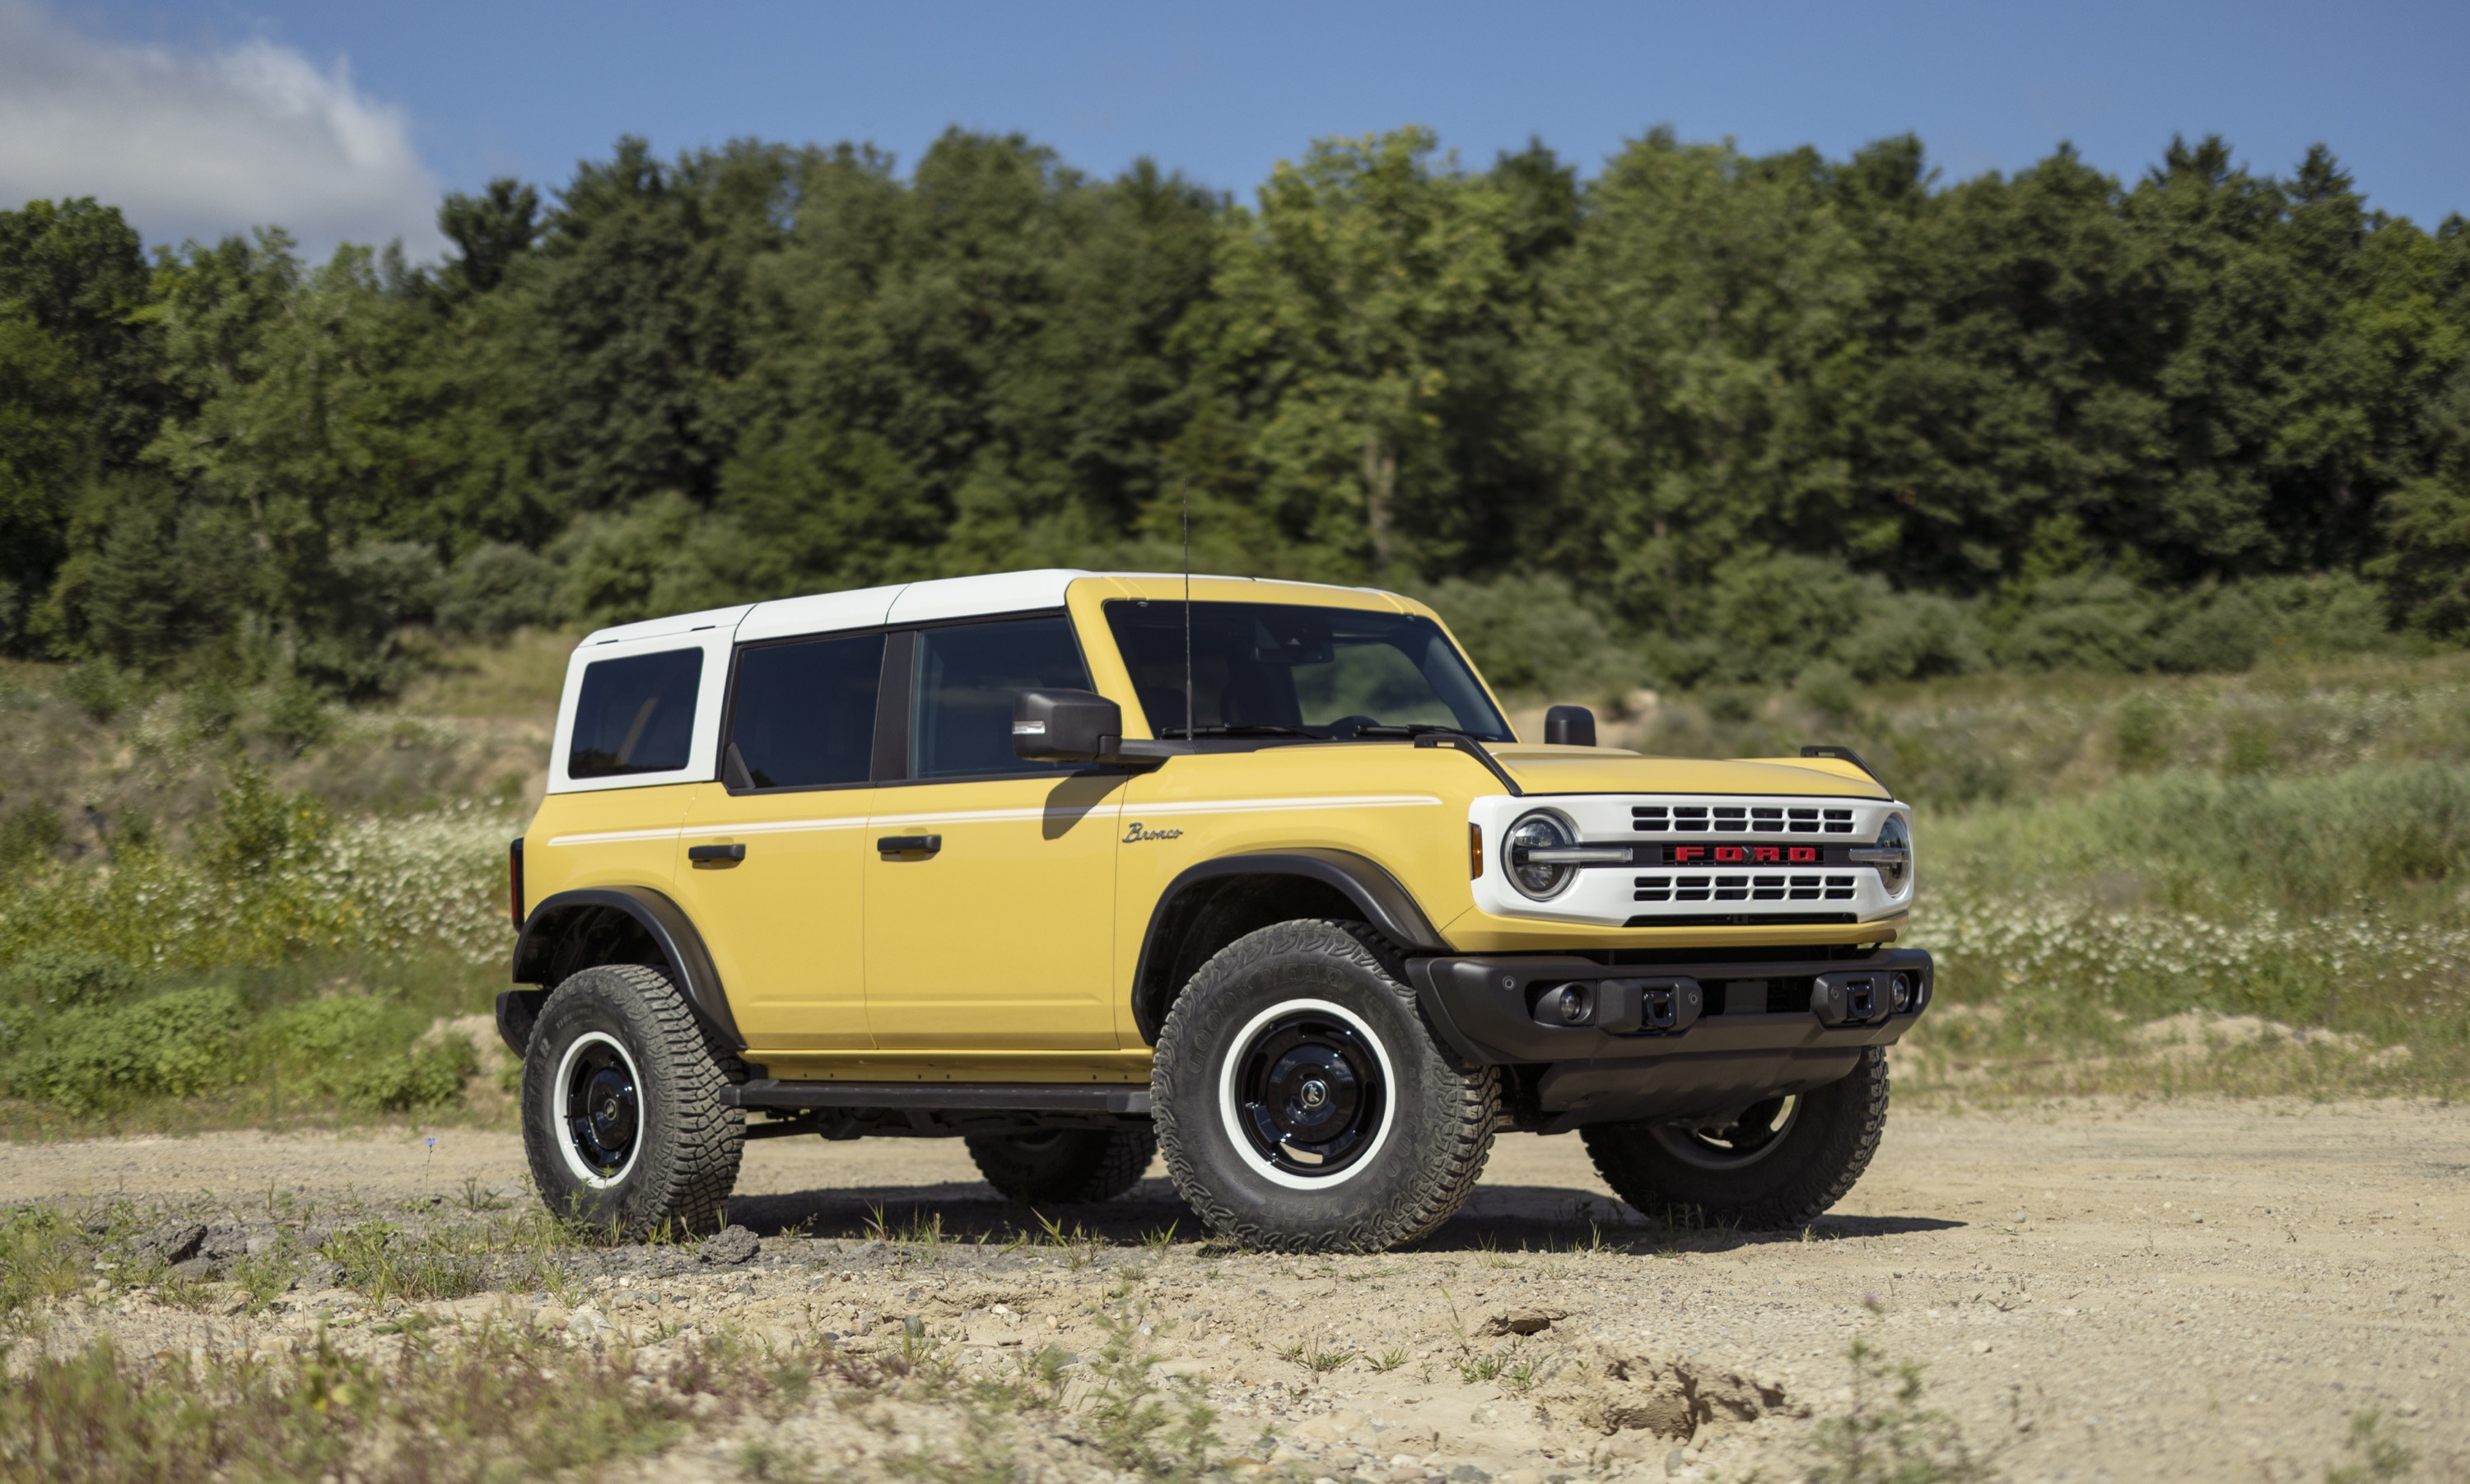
{"points": [[1080, 867]]}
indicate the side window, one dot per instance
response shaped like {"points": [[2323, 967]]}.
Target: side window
{"points": [[961, 726], [635, 715], [804, 713]]}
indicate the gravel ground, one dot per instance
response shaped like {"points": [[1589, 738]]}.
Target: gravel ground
{"points": [[2102, 1290]]}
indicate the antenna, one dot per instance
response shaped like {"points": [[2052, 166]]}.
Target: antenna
{"points": [[1188, 734]]}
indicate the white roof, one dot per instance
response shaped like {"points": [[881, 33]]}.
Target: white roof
{"points": [[866, 608]]}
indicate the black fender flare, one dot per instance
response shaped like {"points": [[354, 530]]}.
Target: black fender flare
{"points": [[1383, 900], [672, 934]]}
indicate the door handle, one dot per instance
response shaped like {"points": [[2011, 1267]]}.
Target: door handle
{"points": [[908, 845], [715, 855]]}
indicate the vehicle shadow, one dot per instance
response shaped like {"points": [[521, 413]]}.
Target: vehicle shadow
{"points": [[1497, 1218]]}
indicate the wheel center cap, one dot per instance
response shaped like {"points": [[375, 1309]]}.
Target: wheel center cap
{"points": [[1315, 1093]]}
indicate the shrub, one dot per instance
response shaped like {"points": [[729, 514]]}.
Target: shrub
{"points": [[430, 1075], [362, 1051], [27, 833], [332, 1048], [173, 1045], [2082, 621], [496, 589], [1537, 634], [52, 981]]}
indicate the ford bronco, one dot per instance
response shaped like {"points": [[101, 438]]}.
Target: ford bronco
{"points": [[1080, 867]]}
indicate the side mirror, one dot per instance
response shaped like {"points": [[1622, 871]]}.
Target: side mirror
{"points": [[1066, 726], [1570, 726]]}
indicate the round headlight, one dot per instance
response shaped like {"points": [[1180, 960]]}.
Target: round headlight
{"points": [[1538, 831]]}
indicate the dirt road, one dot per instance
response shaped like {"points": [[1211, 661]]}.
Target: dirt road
{"points": [[2098, 1291]]}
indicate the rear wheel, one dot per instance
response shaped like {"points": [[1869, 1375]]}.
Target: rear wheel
{"points": [[623, 1119], [1064, 1163], [1776, 1165], [1303, 1103]]}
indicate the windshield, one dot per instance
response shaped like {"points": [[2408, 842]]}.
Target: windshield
{"points": [[1267, 670]]}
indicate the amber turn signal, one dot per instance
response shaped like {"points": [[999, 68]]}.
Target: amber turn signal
{"points": [[1475, 852]]}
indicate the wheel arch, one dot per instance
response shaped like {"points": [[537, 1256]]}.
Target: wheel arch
{"points": [[592, 926], [1213, 902]]}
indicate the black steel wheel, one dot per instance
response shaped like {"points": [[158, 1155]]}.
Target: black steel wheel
{"points": [[623, 1119], [1304, 1103], [1063, 1164], [1774, 1166]]}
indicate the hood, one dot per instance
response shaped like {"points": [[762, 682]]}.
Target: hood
{"points": [[1606, 770]]}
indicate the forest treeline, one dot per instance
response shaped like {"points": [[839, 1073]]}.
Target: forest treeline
{"points": [[1702, 417]]}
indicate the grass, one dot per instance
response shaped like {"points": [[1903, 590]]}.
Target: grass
{"points": [[2330, 903], [505, 1403]]}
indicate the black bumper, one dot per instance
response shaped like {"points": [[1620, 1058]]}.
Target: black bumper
{"points": [[1668, 1039]]}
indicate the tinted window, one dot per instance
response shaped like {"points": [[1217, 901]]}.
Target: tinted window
{"points": [[1323, 671], [966, 677], [636, 714], [804, 716]]}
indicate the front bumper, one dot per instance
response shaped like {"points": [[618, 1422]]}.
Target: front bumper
{"points": [[1668, 1039]]}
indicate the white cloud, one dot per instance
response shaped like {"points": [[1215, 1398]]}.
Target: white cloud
{"points": [[206, 142]]}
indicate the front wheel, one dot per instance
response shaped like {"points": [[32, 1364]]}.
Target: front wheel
{"points": [[1774, 1166], [623, 1118], [1304, 1103]]}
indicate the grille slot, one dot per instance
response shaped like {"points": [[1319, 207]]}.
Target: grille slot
{"points": [[1744, 887], [1691, 819]]}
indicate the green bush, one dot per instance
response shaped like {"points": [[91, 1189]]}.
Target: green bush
{"points": [[496, 589], [430, 1075], [27, 833], [173, 1045], [362, 1051], [1536, 635], [332, 1048], [49, 981]]}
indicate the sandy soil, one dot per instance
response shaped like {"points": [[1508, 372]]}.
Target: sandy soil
{"points": [[2098, 1291]]}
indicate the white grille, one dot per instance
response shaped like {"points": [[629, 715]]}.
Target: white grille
{"points": [[1698, 819], [1822, 888]]}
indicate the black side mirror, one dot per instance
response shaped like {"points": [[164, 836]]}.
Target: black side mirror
{"points": [[1570, 726], [1066, 726]]}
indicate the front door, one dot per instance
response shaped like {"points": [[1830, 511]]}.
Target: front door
{"points": [[770, 864], [989, 881]]}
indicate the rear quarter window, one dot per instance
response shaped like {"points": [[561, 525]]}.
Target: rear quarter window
{"points": [[636, 715]]}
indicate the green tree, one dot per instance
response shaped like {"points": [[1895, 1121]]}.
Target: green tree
{"points": [[1338, 298]]}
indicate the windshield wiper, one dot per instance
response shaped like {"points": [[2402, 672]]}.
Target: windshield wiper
{"points": [[1416, 730], [1238, 729]]}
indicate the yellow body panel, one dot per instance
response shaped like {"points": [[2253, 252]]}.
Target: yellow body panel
{"points": [[1000, 940], [1009, 955], [787, 925], [608, 838]]}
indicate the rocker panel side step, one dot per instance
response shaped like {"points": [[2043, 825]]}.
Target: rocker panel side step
{"points": [[958, 1097]]}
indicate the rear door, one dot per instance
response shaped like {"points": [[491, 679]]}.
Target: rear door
{"points": [[769, 862], [989, 881]]}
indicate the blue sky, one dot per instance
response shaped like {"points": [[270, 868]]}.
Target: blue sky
{"points": [[406, 100]]}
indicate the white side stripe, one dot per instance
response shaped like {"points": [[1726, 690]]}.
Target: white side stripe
{"points": [[1276, 805], [615, 836], [1002, 816]]}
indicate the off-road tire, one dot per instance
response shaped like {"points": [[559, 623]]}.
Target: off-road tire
{"points": [[1813, 1166], [682, 1161], [1409, 1178], [1063, 1164]]}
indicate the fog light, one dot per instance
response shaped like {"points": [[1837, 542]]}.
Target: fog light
{"points": [[1571, 1005], [1900, 990]]}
